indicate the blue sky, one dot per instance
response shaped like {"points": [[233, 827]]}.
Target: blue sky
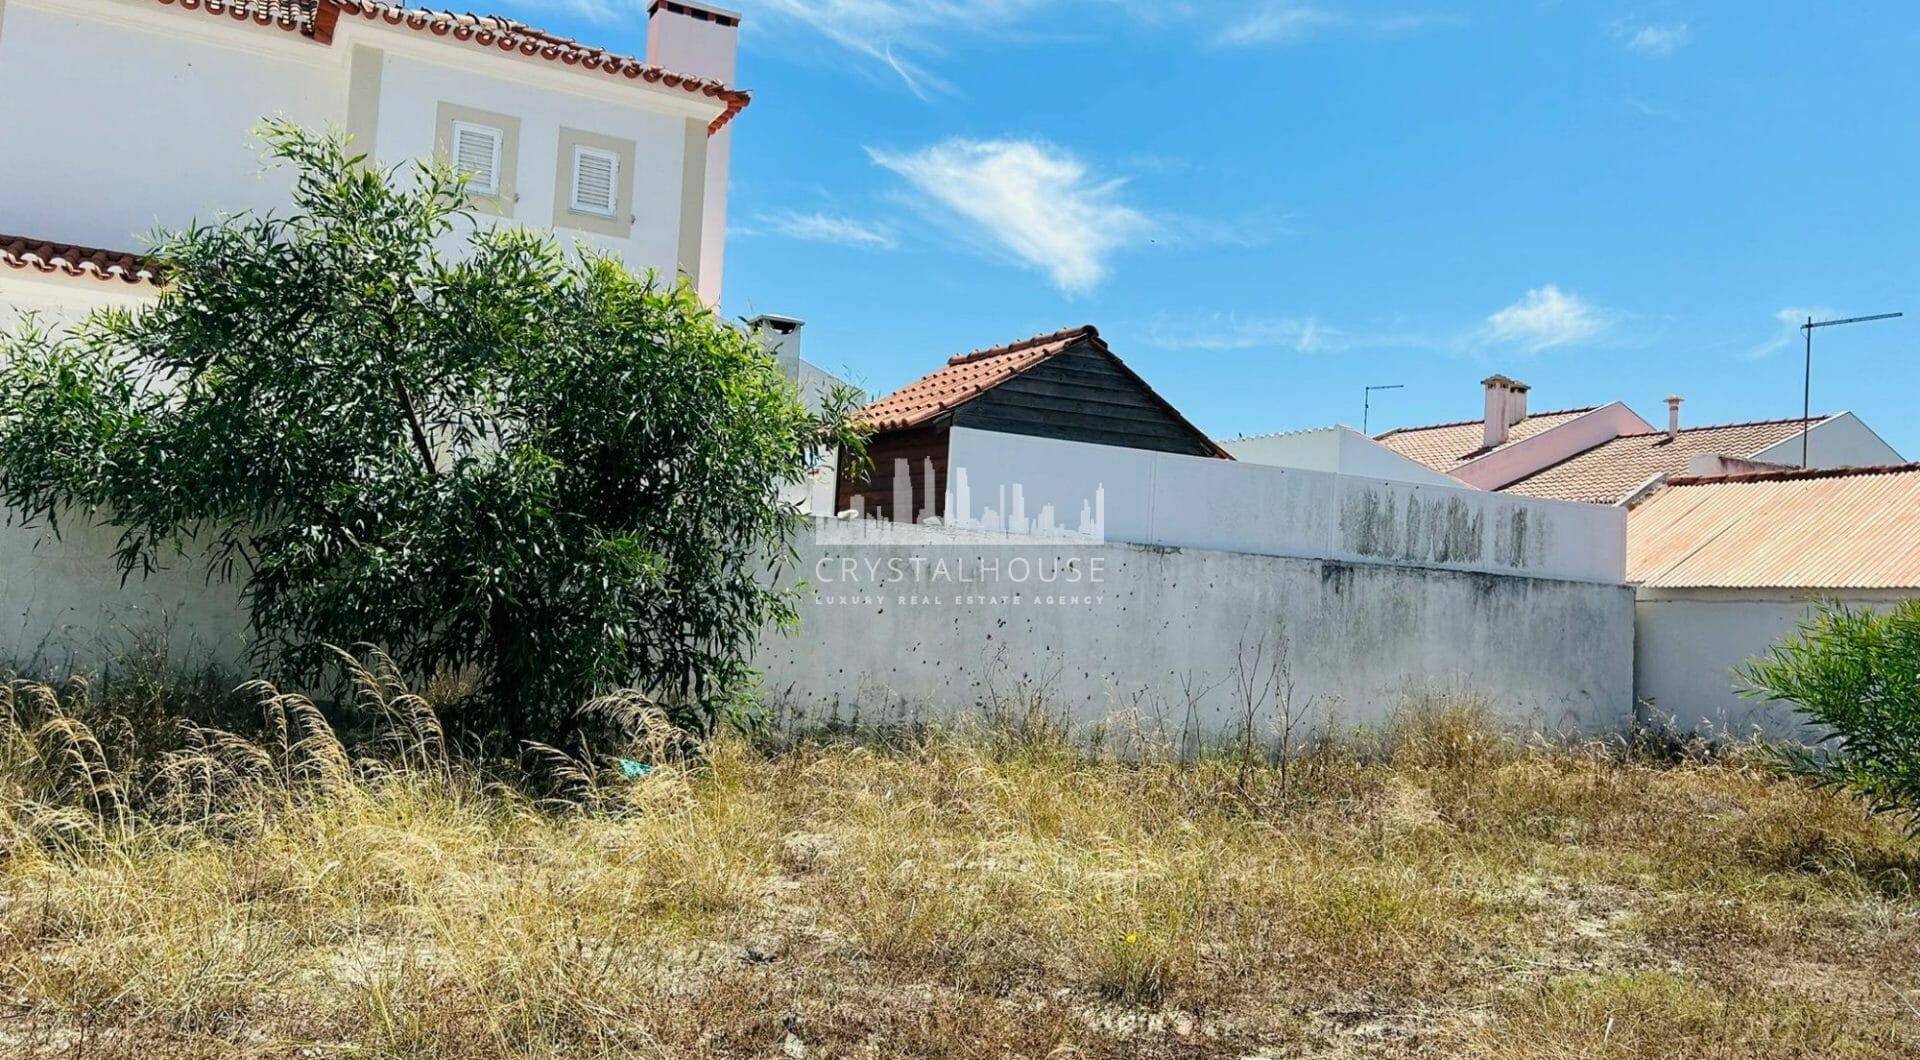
{"points": [[1266, 206]]}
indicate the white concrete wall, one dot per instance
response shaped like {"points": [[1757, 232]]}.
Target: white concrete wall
{"points": [[57, 301], [1843, 441], [1687, 644], [1195, 502], [63, 605], [1104, 628], [1337, 450]]}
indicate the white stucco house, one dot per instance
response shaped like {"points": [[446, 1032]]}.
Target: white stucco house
{"points": [[1725, 565], [139, 115]]}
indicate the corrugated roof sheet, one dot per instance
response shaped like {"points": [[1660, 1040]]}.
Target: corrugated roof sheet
{"points": [[1853, 528], [1445, 446], [1609, 471]]}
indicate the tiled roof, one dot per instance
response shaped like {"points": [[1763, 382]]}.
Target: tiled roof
{"points": [[317, 18], [1445, 446], [1609, 471], [1852, 528], [966, 376], [68, 259]]}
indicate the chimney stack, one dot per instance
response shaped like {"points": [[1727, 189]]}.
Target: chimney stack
{"points": [[699, 40], [1517, 403], [1499, 407], [781, 335], [1673, 416]]}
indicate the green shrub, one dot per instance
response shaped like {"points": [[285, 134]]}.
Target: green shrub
{"points": [[1854, 675], [514, 464]]}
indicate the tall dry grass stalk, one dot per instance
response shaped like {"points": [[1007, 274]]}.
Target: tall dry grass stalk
{"points": [[1433, 889]]}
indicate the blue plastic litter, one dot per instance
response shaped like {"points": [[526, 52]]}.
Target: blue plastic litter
{"points": [[633, 770]]}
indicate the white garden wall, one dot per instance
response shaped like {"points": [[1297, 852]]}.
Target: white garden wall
{"points": [[1688, 642], [917, 629], [1194, 502]]}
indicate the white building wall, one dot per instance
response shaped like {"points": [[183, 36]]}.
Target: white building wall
{"points": [[1842, 441], [1337, 450], [412, 88], [121, 116], [1195, 502], [1688, 643], [1164, 630]]}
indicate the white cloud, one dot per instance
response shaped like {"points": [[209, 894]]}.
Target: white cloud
{"points": [[1225, 332], [1286, 22], [1786, 331], [822, 228], [894, 32], [1031, 200], [1658, 41], [1545, 318]]}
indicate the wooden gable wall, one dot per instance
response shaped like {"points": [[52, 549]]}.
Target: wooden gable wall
{"points": [[1082, 395]]}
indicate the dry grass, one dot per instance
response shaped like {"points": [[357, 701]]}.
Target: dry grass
{"points": [[1447, 893]]}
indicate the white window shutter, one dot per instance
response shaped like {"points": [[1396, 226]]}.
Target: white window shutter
{"points": [[476, 152], [596, 182]]}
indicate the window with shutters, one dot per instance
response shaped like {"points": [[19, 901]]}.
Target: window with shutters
{"points": [[593, 178], [596, 181], [484, 146], [476, 152]]}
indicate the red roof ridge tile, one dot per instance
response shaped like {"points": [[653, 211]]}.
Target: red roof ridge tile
{"points": [[1795, 474], [73, 259], [1087, 331]]}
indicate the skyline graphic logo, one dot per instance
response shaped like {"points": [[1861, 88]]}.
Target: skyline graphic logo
{"points": [[910, 516]]}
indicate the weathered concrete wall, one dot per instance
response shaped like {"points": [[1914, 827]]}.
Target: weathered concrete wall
{"points": [[1193, 502], [1687, 644], [63, 606], [902, 628]]}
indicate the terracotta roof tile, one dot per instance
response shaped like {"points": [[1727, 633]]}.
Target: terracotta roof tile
{"points": [[1445, 446], [70, 259], [1850, 528], [966, 376], [1609, 471], [317, 18]]}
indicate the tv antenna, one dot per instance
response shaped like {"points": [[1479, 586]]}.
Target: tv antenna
{"points": [[1366, 402], [1806, 386]]}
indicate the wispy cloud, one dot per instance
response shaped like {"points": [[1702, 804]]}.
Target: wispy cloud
{"points": [[821, 228], [899, 33], [1226, 332], [1786, 330], [1282, 22], [1656, 40], [1547, 317], [1033, 201]]}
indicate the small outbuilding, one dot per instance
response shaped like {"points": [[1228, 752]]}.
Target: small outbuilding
{"points": [[1723, 567], [1066, 385]]}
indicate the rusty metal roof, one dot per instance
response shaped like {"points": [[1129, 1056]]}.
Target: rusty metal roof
{"points": [[1847, 528]]}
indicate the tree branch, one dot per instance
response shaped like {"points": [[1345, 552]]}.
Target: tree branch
{"points": [[420, 442]]}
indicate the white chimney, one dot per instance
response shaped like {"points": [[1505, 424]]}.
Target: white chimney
{"points": [[1673, 416], [782, 338], [1499, 391], [700, 40], [1517, 403]]}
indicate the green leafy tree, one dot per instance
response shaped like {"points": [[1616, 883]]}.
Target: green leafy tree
{"points": [[391, 424], [1854, 675]]}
